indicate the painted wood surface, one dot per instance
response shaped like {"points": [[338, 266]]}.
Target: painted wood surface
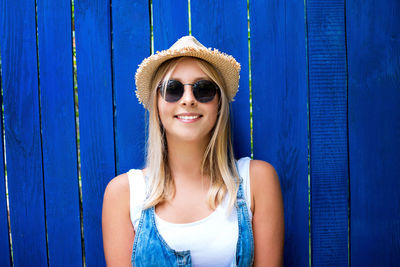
{"points": [[326, 41], [223, 25], [22, 132], [59, 133], [353, 137], [373, 45], [279, 93], [5, 249], [96, 120], [131, 44], [170, 22]]}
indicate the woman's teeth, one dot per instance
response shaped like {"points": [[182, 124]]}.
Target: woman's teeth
{"points": [[188, 117]]}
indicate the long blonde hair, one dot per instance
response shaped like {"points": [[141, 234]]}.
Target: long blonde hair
{"points": [[218, 159]]}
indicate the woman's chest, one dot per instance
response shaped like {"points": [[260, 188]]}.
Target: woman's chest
{"points": [[184, 209], [218, 239], [211, 241]]}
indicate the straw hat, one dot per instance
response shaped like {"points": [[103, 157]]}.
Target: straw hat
{"points": [[227, 66]]}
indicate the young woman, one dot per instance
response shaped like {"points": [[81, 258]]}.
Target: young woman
{"points": [[193, 203]]}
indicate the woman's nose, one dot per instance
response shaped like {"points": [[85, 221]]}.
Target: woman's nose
{"points": [[188, 98]]}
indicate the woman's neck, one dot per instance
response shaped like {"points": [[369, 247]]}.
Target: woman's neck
{"points": [[185, 158]]}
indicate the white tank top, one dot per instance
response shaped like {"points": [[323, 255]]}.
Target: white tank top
{"points": [[211, 240]]}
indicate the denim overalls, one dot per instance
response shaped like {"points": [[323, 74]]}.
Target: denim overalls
{"points": [[150, 249]]}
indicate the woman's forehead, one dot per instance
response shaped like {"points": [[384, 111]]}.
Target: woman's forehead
{"points": [[188, 67]]}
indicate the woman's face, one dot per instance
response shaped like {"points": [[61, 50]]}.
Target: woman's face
{"points": [[187, 119]]}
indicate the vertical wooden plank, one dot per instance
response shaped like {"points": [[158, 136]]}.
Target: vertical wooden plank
{"points": [[22, 132], [373, 45], [94, 76], [59, 133], [328, 129], [131, 43], [279, 90], [170, 22], [5, 248], [223, 25]]}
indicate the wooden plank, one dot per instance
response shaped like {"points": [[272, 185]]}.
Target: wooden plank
{"points": [[213, 25], [328, 132], [131, 42], [22, 132], [170, 22], [279, 91], [5, 248], [373, 45], [59, 133], [93, 50]]}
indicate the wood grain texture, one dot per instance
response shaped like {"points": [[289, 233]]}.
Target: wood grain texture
{"points": [[328, 132], [22, 132], [131, 44], [170, 22], [59, 133], [279, 86], [223, 25], [5, 248], [373, 45], [357, 137], [94, 75]]}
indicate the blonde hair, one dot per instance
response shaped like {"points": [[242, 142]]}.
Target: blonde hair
{"points": [[218, 159]]}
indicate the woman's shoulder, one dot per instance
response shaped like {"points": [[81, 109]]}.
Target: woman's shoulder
{"points": [[121, 183], [268, 220], [116, 200], [261, 167], [258, 169], [265, 182], [117, 189], [262, 173]]}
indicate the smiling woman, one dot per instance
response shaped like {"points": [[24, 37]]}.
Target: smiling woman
{"points": [[193, 204]]}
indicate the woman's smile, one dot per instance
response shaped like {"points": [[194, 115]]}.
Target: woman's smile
{"points": [[188, 117]]}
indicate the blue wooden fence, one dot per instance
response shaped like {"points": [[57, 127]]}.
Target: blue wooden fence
{"points": [[325, 111]]}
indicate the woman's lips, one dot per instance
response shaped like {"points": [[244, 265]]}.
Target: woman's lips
{"points": [[188, 117]]}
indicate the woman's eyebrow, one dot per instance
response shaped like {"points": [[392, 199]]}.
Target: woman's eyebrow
{"points": [[202, 78]]}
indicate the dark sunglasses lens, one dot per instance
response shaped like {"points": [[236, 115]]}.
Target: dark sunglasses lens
{"points": [[174, 91], [204, 90]]}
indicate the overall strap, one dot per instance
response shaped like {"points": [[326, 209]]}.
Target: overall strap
{"points": [[150, 249], [245, 244]]}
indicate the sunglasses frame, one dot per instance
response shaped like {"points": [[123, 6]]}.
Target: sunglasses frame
{"points": [[163, 85]]}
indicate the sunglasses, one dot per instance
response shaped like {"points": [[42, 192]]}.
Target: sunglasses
{"points": [[204, 90]]}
